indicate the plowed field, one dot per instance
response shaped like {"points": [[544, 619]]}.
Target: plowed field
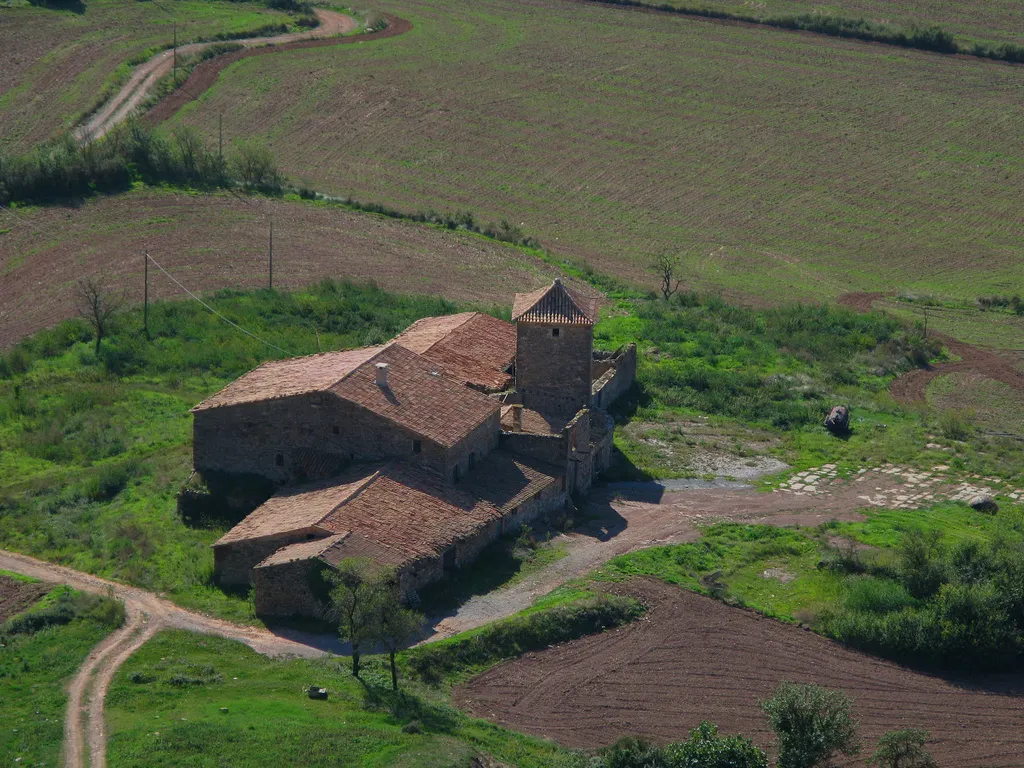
{"points": [[56, 62], [217, 241], [17, 596], [781, 165], [693, 658]]}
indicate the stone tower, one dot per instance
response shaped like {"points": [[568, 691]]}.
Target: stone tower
{"points": [[554, 349]]}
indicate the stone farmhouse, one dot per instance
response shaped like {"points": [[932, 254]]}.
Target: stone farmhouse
{"points": [[417, 453]]}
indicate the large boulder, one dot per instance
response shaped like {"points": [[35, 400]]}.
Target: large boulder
{"points": [[984, 503], [838, 420]]}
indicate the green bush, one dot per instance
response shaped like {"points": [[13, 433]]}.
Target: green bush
{"points": [[902, 749], [706, 749], [812, 724], [62, 606]]}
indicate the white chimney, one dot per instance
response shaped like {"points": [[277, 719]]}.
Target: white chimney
{"points": [[382, 374]]}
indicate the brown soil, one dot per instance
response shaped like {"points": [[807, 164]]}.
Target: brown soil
{"points": [[913, 385], [17, 596], [693, 658], [860, 301], [206, 73], [218, 241]]}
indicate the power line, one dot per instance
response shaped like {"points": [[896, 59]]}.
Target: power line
{"points": [[214, 311]]}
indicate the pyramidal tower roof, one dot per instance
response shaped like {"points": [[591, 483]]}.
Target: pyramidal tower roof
{"points": [[558, 303]]}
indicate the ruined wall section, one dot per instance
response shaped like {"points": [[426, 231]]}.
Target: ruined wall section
{"points": [[613, 377]]}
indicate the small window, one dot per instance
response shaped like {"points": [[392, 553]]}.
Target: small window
{"points": [[310, 536], [455, 474], [417, 446], [472, 460], [336, 430], [279, 459], [554, 331]]}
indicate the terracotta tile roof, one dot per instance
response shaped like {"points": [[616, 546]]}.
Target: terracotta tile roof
{"points": [[558, 303], [293, 509], [419, 396], [506, 480], [287, 378], [473, 347], [304, 550], [533, 422], [411, 514], [397, 514]]}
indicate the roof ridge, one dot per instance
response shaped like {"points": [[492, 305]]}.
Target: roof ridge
{"points": [[353, 494]]}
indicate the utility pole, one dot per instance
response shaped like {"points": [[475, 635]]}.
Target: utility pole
{"points": [[271, 254], [175, 54], [220, 139], [145, 300]]}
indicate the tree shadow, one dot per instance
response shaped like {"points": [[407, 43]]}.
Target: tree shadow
{"points": [[75, 6]]}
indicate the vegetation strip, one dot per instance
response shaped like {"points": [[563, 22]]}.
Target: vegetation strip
{"points": [[931, 38]]}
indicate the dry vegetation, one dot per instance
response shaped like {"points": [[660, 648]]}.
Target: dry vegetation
{"points": [[217, 241]]}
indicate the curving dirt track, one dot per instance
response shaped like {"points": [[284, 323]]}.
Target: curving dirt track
{"points": [[206, 73], [147, 75], [693, 658], [146, 614], [912, 386]]}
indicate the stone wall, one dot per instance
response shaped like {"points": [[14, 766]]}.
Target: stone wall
{"points": [[553, 367], [285, 589], [471, 451], [616, 379], [272, 438], [233, 563], [549, 448]]}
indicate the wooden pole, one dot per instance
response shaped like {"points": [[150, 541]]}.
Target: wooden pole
{"points": [[271, 254], [220, 139], [175, 53], [145, 300]]}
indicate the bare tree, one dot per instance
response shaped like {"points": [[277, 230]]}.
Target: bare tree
{"points": [[98, 306], [666, 266]]}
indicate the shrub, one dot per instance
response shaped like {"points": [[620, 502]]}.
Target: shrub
{"points": [[631, 752], [956, 424], [62, 606], [902, 749], [520, 634], [706, 749], [254, 165], [812, 724], [875, 595], [922, 567]]}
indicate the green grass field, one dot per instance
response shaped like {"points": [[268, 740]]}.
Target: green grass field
{"points": [[995, 20], [780, 165], [35, 667], [58, 62], [246, 710]]}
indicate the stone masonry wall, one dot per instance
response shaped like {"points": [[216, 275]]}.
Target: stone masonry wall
{"points": [[284, 590], [233, 563], [264, 438], [616, 379], [477, 445], [553, 373]]}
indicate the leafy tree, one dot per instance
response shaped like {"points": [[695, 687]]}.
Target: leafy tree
{"points": [[706, 749], [98, 306], [255, 166], [355, 603], [811, 724], [632, 752], [922, 565], [397, 625], [903, 749]]}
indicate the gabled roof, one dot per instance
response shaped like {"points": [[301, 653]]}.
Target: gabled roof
{"points": [[396, 513], [557, 303], [298, 508], [473, 347], [419, 396], [288, 378]]}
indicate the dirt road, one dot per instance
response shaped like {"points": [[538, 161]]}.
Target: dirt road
{"points": [[629, 516], [912, 386], [146, 76], [146, 615]]}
